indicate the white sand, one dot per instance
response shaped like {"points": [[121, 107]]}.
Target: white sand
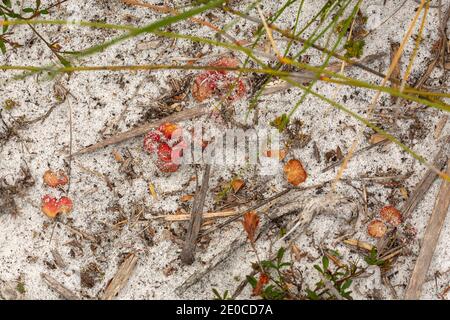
{"points": [[97, 98]]}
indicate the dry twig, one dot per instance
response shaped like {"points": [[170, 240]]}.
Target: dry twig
{"points": [[430, 240], [121, 277], [177, 117], [58, 287], [187, 254]]}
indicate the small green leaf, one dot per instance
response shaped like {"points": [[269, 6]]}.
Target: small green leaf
{"points": [[9, 104], [7, 3], [267, 264], [354, 48], [311, 295], [346, 284], [280, 122], [21, 287], [28, 10], [325, 262], [2, 47], [316, 266], [280, 255], [284, 264], [12, 14], [252, 280]]}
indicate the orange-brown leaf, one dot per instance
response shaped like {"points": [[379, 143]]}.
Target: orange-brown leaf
{"points": [[237, 184], [250, 223], [55, 179], [295, 174], [376, 229]]}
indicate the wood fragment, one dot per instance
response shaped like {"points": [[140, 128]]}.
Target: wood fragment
{"points": [[81, 233], [59, 288], [424, 185], [430, 240], [195, 223], [264, 202], [252, 208], [59, 261], [177, 117], [440, 126], [242, 285], [120, 279], [359, 244], [206, 215]]}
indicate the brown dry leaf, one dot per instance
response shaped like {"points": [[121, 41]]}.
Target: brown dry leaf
{"points": [[295, 174], [237, 184], [186, 197], [250, 223], [298, 254], [376, 229], [55, 179], [117, 156], [404, 193], [376, 138]]}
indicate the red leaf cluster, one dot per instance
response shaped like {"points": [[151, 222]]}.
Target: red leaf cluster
{"points": [[389, 215], [220, 83], [51, 207], [167, 147]]}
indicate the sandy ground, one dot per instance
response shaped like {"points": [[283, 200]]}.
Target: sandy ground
{"points": [[95, 101]]}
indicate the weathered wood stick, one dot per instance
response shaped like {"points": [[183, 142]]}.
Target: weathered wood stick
{"points": [[58, 287], [120, 279], [422, 187], [185, 217], [187, 254], [430, 240], [177, 117]]}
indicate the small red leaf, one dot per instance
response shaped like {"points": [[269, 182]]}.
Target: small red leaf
{"points": [[55, 179], [391, 215], [376, 229], [250, 223], [151, 141], [263, 280]]}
